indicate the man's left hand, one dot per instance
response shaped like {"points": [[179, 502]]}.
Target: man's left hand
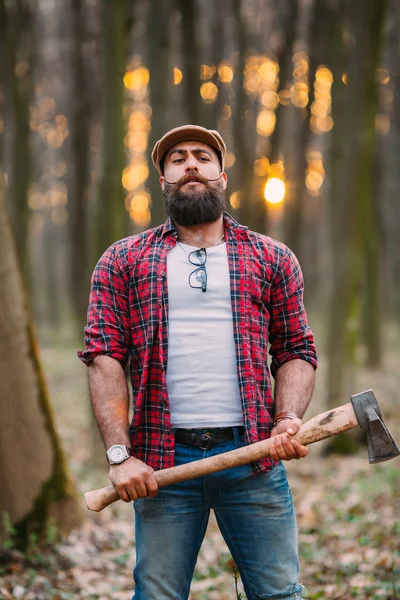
{"points": [[285, 447]]}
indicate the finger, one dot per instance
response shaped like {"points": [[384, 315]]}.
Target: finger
{"points": [[123, 494], [141, 489], [301, 450], [280, 449], [133, 495], [152, 486], [294, 426], [287, 446]]}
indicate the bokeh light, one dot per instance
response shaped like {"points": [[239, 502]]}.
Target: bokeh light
{"points": [[266, 122], [382, 124], [177, 76], [226, 112], [206, 72], [382, 75], [274, 191], [225, 72], [235, 199], [229, 159], [137, 78], [321, 120], [134, 175], [261, 167], [209, 92], [315, 172]]}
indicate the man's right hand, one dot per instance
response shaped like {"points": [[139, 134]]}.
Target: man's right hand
{"points": [[133, 479]]}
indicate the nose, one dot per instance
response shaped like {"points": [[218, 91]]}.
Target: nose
{"points": [[191, 164]]}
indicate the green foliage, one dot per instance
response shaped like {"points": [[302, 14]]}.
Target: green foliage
{"points": [[122, 560], [236, 576], [10, 532]]}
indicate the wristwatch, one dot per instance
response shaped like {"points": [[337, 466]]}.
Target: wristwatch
{"points": [[117, 453]]}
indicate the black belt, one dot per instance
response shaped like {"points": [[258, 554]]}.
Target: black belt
{"points": [[205, 439]]}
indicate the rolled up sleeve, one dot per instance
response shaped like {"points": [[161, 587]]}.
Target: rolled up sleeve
{"points": [[290, 336], [107, 329]]}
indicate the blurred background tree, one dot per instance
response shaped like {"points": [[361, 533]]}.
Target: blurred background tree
{"points": [[306, 95], [35, 483]]}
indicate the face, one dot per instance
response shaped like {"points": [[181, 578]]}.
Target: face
{"points": [[191, 196]]}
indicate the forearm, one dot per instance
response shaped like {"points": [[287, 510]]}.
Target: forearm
{"points": [[294, 384], [109, 396]]}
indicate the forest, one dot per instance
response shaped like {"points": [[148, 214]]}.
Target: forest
{"points": [[306, 95]]}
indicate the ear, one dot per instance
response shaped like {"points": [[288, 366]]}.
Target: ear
{"points": [[162, 182], [224, 179]]}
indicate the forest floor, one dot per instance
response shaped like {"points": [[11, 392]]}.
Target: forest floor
{"points": [[348, 512]]}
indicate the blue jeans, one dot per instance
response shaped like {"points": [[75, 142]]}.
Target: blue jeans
{"points": [[255, 515]]}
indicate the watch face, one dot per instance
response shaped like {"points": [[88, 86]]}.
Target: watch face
{"points": [[117, 454]]}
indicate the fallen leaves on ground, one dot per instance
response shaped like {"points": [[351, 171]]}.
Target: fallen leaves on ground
{"points": [[348, 515]]}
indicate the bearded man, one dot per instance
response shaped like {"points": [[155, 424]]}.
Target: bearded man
{"points": [[191, 306]]}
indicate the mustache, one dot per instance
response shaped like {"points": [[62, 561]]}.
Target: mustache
{"points": [[191, 176]]}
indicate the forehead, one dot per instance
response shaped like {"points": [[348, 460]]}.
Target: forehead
{"points": [[195, 147]]}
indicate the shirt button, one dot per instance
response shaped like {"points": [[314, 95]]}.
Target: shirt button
{"points": [[168, 441]]}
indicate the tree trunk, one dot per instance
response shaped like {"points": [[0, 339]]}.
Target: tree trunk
{"points": [[191, 57], [391, 174], [35, 485], [285, 77], [273, 145], [158, 49], [351, 201], [212, 112], [111, 212], [19, 57], [346, 107], [311, 248], [368, 177], [244, 150], [78, 168], [294, 222]]}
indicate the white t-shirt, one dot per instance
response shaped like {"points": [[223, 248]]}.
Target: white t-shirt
{"points": [[202, 377]]}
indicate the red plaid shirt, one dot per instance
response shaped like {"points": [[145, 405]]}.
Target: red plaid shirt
{"points": [[128, 320]]}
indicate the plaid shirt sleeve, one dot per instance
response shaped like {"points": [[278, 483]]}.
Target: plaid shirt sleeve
{"points": [[290, 335], [107, 329]]}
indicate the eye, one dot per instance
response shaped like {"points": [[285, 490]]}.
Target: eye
{"points": [[205, 158], [177, 160]]}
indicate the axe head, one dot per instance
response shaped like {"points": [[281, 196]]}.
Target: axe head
{"points": [[381, 445]]}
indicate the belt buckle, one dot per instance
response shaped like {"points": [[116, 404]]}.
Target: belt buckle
{"points": [[208, 441]]}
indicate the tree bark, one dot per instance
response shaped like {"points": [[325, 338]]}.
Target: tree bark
{"points": [[35, 484], [111, 212], [158, 49], [78, 168], [391, 174], [294, 224], [19, 42], [191, 57], [351, 197], [368, 178], [244, 150]]}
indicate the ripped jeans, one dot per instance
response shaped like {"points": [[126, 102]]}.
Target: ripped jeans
{"points": [[255, 515]]}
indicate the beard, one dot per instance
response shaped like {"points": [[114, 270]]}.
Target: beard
{"points": [[194, 207]]}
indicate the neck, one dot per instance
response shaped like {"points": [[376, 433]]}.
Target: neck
{"points": [[202, 236]]}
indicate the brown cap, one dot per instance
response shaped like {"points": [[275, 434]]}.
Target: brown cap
{"points": [[188, 133]]}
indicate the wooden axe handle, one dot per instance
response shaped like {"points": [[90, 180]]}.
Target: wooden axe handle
{"points": [[319, 428]]}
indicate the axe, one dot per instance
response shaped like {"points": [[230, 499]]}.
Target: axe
{"points": [[363, 410]]}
